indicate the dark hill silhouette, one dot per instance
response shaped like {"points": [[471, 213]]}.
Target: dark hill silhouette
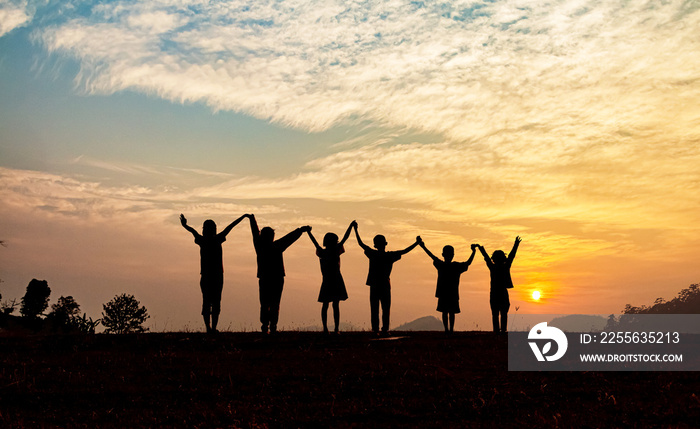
{"points": [[685, 307], [427, 323]]}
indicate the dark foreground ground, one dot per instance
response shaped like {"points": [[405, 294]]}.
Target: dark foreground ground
{"points": [[299, 379]]}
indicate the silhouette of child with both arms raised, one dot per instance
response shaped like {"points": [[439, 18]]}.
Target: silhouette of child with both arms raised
{"points": [[271, 270], [332, 286], [212, 267], [499, 267], [380, 265], [447, 290]]}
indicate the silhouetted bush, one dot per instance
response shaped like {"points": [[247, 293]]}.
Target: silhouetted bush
{"points": [[36, 299], [122, 315], [85, 324], [7, 307], [5, 311], [63, 315]]}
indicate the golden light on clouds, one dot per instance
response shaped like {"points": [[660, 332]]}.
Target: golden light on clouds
{"points": [[572, 124]]}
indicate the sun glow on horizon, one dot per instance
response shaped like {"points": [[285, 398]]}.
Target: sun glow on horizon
{"points": [[456, 122]]}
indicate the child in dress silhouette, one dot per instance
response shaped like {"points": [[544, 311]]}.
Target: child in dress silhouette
{"points": [[447, 290], [332, 286], [499, 266]]}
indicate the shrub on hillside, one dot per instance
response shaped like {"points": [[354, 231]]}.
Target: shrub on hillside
{"points": [[122, 315]]}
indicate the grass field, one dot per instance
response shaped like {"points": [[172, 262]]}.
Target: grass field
{"points": [[305, 379]]}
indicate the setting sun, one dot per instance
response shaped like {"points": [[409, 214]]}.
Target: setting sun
{"points": [[168, 108]]}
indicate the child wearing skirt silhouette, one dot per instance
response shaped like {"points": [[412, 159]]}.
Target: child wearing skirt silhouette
{"points": [[447, 290], [499, 266], [332, 286]]}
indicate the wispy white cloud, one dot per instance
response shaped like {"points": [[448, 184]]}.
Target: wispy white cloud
{"points": [[66, 196], [466, 69], [600, 195], [585, 185], [104, 201], [571, 109], [14, 14], [164, 172]]}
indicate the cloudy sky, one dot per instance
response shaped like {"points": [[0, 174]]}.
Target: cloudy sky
{"points": [[574, 124]]}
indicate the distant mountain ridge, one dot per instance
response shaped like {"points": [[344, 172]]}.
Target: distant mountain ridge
{"points": [[427, 323]]}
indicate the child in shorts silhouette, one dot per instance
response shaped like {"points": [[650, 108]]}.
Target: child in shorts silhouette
{"points": [[212, 267], [271, 273], [447, 290], [381, 262]]}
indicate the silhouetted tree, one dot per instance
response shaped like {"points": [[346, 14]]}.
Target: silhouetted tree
{"points": [[63, 313], [2, 243], [66, 307], [611, 324], [122, 315], [687, 302], [5, 310], [36, 299]]}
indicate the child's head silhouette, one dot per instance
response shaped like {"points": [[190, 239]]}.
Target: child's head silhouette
{"points": [[448, 252], [267, 234], [499, 257], [209, 228], [330, 240], [379, 242]]}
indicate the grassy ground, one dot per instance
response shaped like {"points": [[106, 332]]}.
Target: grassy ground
{"points": [[303, 379]]}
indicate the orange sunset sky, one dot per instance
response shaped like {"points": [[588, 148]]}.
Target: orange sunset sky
{"points": [[574, 124]]}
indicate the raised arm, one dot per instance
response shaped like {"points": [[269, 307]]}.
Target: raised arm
{"points": [[359, 240], [422, 245], [183, 221], [347, 233], [514, 250], [289, 239], [409, 248], [254, 227], [486, 256], [313, 239], [232, 224], [471, 258]]}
